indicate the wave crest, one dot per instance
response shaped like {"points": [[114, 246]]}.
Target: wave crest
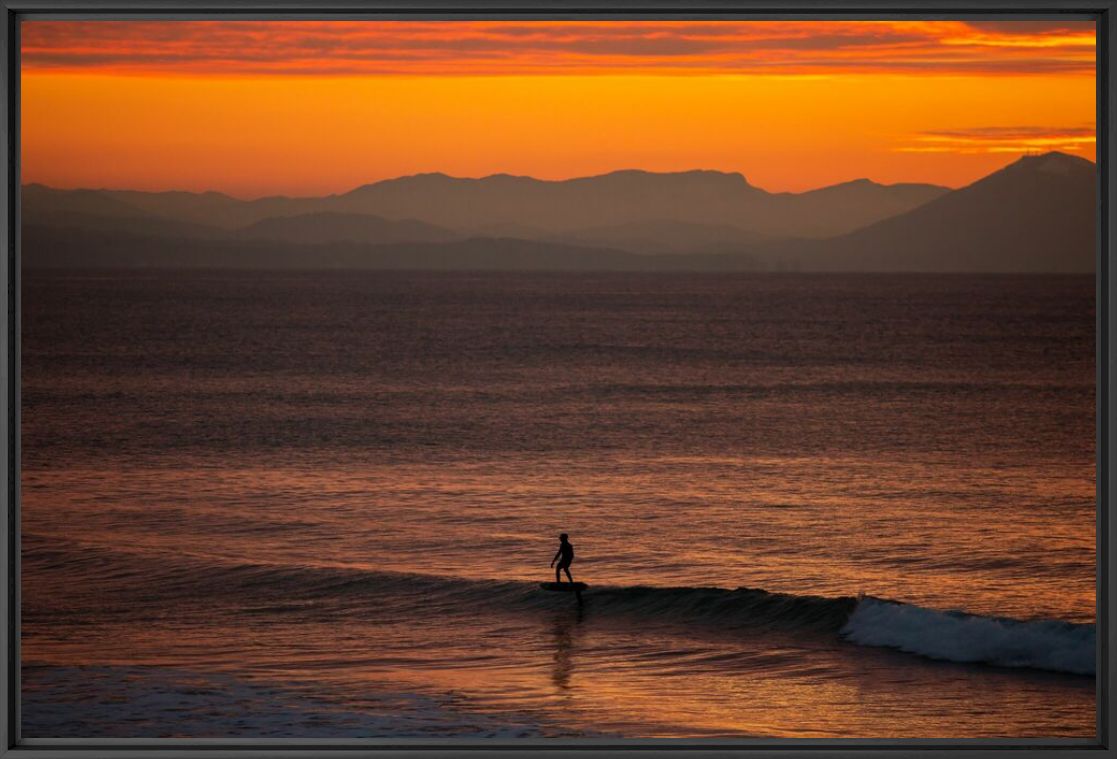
{"points": [[82, 578], [955, 636]]}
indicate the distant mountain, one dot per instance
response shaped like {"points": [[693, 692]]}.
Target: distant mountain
{"points": [[95, 210], [137, 224], [75, 248], [42, 204], [629, 198], [1036, 215], [851, 205], [46, 205], [214, 208], [555, 207], [503, 205], [330, 227]]}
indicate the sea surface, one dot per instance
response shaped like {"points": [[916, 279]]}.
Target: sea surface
{"points": [[320, 505]]}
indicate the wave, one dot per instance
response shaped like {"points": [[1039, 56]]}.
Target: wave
{"points": [[724, 609], [955, 636], [73, 570], [74, 573]]}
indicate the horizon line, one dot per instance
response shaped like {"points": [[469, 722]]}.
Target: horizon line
{"points": [[502, 175]]}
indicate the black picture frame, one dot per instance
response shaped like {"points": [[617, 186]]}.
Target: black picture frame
{"points": [[13, 745]]}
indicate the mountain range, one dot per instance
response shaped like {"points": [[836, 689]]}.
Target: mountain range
{"points": [[1035, 215]]}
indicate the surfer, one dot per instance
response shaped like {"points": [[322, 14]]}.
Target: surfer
{"points": [[563, 556]]}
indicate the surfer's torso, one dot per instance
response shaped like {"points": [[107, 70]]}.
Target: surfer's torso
{"points": [[566, 554]]}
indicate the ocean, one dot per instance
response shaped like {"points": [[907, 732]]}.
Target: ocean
{"points": [[320, 504]]}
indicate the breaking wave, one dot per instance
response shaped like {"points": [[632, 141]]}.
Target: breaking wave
{"points": [[955, 636], [278, 589]]}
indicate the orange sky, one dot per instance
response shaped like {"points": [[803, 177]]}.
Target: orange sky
{"points": [[294, 107]]}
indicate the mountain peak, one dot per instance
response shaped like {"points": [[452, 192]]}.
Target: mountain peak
{"points": [[710, 177], [424, 178], [1055, 162], [504, 176], [861, 183]]}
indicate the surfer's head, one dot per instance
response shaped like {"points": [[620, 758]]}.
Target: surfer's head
{"points": [[563, 537]]}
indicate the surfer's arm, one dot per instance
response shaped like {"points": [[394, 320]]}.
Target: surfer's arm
{"points": [[557, 554]]}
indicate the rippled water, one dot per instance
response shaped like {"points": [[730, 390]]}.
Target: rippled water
{"points": [[319, 504]]}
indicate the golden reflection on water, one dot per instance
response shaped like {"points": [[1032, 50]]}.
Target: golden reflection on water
{"points": [[231, 488], [1016, 542], [565, 632], [592, 677]]}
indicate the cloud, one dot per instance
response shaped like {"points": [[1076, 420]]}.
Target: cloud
{"points": [[1002, 139], [556, 47], [1056, 27]]}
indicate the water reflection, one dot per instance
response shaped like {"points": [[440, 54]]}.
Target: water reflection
{"points": [[565, 625]]}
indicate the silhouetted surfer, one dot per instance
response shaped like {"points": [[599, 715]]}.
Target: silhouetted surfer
{"points": [[563, 556]]}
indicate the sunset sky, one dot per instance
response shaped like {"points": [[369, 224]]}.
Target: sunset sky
{"points": [[304, 108]]}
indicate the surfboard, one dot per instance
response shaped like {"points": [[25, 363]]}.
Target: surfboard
{"points": [[564, 587]]}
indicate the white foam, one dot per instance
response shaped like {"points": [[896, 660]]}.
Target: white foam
{"points": [[953, 636]]}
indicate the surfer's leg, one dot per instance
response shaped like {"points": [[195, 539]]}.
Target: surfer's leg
{"points": [[567, 570], [558, 578]]}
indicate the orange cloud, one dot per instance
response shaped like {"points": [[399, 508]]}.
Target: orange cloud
{"points": [[262, 107], [1003, 139], [557, 47]]}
